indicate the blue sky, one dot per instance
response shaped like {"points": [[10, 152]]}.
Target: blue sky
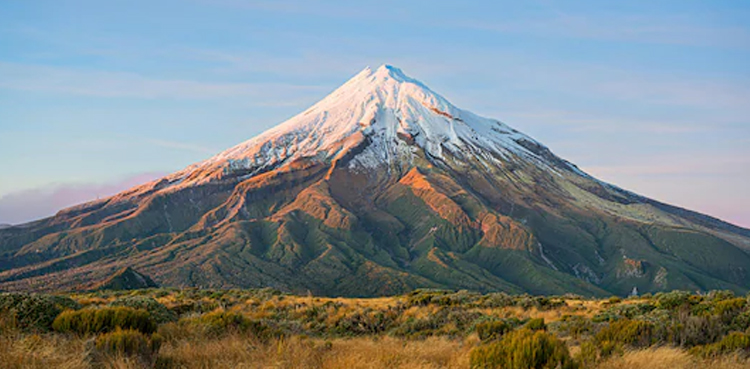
{"points": [[98, 95]]}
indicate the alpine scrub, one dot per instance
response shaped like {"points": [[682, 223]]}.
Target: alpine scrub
{"points": [[429, 328]]}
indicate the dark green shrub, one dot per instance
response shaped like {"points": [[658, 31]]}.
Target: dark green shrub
{"points": [[449, 321], [492, 329], [728, 309], [539, 302], [689, 330], [108, 319], [424, 297], [219, 322], [199, 306], [523, 349], [741, 322], [704, 308], [572, 325], [673, 300], [605, 316], [416, 328], [536, 324], [222, 322], [128, 343], [634, 333], [573, 296], [497, 300], [588, 356], [64, 302], [459, 318], [28, 311], [628, 311], [361, 323], [609, 348], [459, 298], [734, 342], [159, 312], [717, 295], [624, 311]]}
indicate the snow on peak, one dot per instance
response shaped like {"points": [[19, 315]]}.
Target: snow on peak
{"points": [[391, 110]]}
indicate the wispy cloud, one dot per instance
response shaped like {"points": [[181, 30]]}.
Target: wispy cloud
{"points": [[676, 92], [348, 10], [668, 165], [180, 145], [586, 122], [625, 28], [37, 203], [707, 182], [722, 99], [87, 82], [545, 19]]}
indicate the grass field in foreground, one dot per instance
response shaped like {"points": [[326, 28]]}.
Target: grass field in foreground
{"points": [[172, 328]]}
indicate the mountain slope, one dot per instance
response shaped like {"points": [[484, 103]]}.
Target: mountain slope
{"points": [[127, 279], [381, 187]]}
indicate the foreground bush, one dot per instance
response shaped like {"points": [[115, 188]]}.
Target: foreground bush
{"points": [[574, 326], [492, 329], [223, 322], [128, 343], [108, 319], [674, 299], [615, 338], [523, 349], [159, 312], [734, 342], [727, 310], [28, 311], [633, 333], [536, 324]]}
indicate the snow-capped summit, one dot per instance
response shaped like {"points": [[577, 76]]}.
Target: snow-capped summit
{"points": [[382, 187], [386, 108]]}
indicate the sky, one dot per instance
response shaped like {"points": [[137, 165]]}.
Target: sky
{"points": [[97, 96]]}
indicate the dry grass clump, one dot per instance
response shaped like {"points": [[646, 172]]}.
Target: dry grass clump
{"points": [[670, 358], [130, 344], [243, 351], [33, 351], [88, 321], [237, 351]]}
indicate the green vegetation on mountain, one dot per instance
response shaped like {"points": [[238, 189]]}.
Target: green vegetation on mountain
{"points": [[410, 192]]}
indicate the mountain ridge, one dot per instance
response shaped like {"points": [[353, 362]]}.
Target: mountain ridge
{"points": [[381, 187]]}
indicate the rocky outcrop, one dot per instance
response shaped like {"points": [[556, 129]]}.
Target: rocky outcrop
{"points": [[127, 279]]}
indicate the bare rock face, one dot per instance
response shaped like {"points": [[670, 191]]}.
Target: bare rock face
{"points": [[381, 187], [632, 268]]}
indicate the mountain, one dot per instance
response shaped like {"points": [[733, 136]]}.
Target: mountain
{"points": [[127, 279], [382, 187]]}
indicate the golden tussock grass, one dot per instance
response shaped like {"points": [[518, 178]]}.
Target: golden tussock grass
{"points": [[47, 351], [670, 358], [390, 333], [240, 351], [236, 351]]}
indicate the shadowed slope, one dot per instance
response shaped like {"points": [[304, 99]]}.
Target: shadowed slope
{"points": [[382, 187]]}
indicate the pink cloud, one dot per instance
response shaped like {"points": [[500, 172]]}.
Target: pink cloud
{"points": [[710, 185], [27, 205]]}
